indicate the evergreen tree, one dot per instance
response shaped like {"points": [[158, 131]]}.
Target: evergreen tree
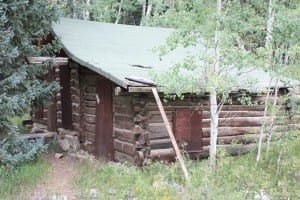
{"points": [[23, 23]]}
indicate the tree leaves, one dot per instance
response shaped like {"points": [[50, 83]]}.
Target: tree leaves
{"points": [[22, 23]]}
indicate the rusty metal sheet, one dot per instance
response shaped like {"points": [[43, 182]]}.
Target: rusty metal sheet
{"points": [[188, 129]]}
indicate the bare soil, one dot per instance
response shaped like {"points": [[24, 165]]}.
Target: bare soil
{"points": [[58, 183]]}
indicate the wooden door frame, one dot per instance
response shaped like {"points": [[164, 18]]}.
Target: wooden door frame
{"points": [[104, 144]]}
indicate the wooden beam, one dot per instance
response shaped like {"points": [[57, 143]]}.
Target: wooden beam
{"points": [[55, 60], [161, 153], [46, 134], [139, 89], [170, 132]]}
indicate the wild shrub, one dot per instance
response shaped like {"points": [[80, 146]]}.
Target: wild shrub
{"points": [[16, 150]]}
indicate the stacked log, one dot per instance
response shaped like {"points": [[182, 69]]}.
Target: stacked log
{"points": [[124, 140], [238, 124], [88, 108], [75, 95], [58, 99], [140, 132]]}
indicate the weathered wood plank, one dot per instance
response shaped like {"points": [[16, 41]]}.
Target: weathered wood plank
{"points": [[123, 134], [123, 118], [162, 154], [152, 107], [161, 143], [55, 60], [158, 135], [227, 131], [89, 96], [75, 107], [157, 127], [230, 114], [75, 117], [38, 135], [242, 121], [76, 127], [139, 89], [90, 110], [122, 100], [157, 118], [90, 89], [90, 103], [124, 147], [58, 115], [88, 118], [123, 109], [238, 139], [90, 137], [90, 128]]}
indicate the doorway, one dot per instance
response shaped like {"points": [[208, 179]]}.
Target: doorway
{"points": [[104, 118]]}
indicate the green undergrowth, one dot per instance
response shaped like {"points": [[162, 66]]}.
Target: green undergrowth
{"points": [[16, 182], [18, 121], [240, 177]]}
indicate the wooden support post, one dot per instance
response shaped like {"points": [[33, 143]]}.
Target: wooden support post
{"points": [[55, 60], [170, 132]]}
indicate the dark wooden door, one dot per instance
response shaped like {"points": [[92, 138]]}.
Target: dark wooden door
{"points": [[66, 103], [104, 130], [188, 128], [51, 106]]}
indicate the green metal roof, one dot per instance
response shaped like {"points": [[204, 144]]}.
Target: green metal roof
{"points": [[115, 50]]}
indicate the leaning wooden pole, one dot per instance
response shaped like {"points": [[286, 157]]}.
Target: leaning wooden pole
{"points": [[170, 132]]}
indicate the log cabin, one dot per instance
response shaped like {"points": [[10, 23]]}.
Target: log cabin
{"points": [[115, 115]]}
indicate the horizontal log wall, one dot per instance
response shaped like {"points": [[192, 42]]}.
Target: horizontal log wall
{"points": [[75, 97], [88, 108], [237, 123], [131, 137], [159, 137], [58, 100], [124, 140], [141, 134]]}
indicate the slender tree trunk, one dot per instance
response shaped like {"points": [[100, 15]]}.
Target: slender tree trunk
{"points": [[263, 126], [119, 12], [144, 9], [172, 4], [273, 115], [149, 9], [268, 63], [213, 94], [72, 7], [86, 13], [213, 128]]}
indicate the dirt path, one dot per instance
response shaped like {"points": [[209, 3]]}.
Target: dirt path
{"points": [[59, 180]]}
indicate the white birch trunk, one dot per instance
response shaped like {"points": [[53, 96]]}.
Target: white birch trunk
{"points": [[149, 9], [268, 62], [213, 94], [119, 12], [86, 13], [263, 126], [213, 128], [273, 115]]}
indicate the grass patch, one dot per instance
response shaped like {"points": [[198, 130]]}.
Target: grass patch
{"points": [[17, 120], [236, 177], [113, 181], [16, 182]]}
